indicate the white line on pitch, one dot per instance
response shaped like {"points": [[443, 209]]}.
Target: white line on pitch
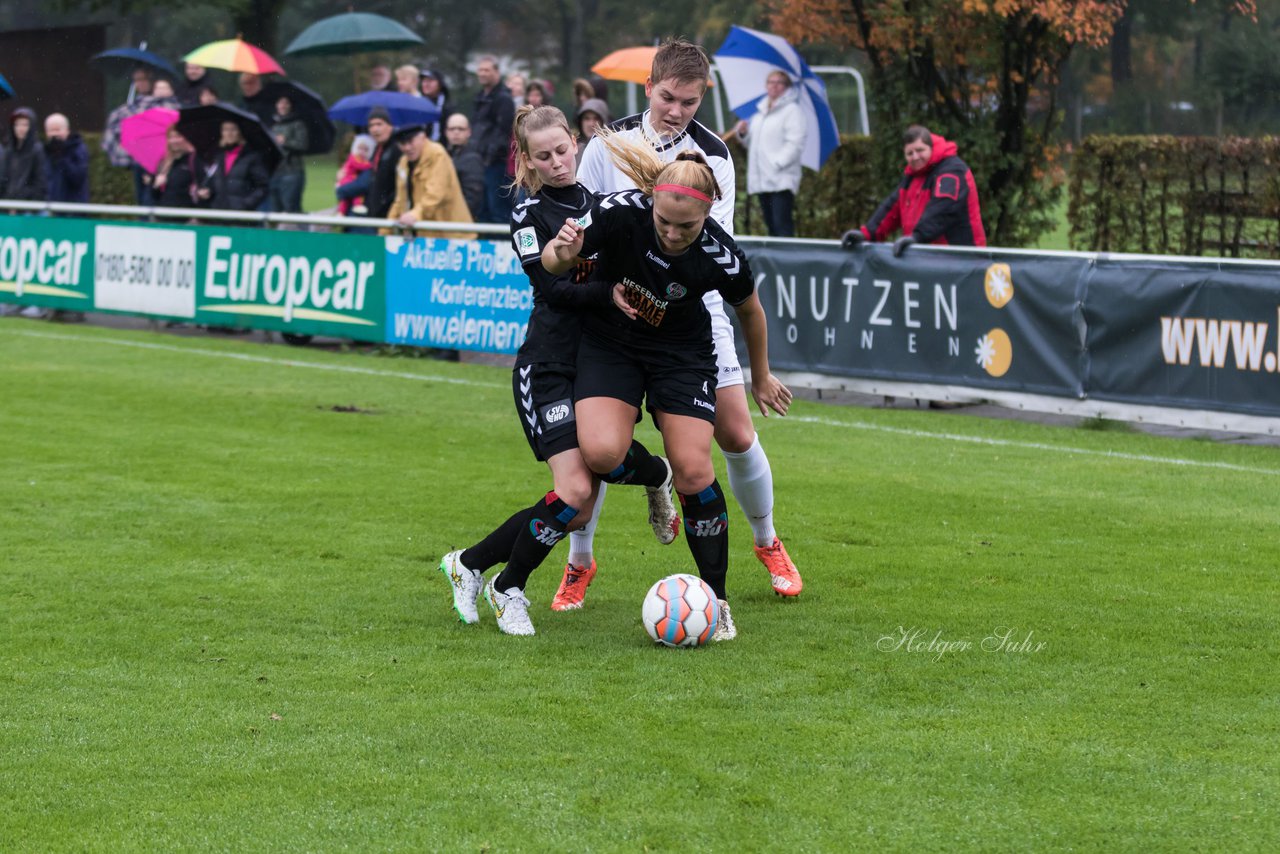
{"points": [[1033, 446]]}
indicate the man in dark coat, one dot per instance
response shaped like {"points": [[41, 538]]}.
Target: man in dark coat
{"points": [[236, 178], [67, 160], [255, 99], [491, 121], [466, 161], [23, 171], [194, 79]]}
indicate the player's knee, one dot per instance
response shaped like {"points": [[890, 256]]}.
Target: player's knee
{"points": [[575, 490], [603, 459], [735, 438], [691, 475]]}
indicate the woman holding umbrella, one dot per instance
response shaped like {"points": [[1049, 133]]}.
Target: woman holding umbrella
{"points": [[236, 178]]}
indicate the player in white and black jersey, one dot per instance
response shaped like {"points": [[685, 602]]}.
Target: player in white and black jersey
{"points": [[543, 386], [664, 254], [677, 83]]}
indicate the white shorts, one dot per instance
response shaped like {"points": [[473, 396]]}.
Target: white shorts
{"points": [[728, 368]]}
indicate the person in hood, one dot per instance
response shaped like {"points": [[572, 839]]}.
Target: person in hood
{"points": [[937, 201], [67, 159], [23, 169], [593, 114], [775, 138]]}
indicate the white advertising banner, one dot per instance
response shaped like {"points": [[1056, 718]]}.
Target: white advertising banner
{"points": [[145, 270]]}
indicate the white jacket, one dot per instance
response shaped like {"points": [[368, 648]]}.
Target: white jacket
{"points": [[775, 140]]}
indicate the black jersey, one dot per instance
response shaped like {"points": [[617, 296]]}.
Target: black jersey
{"points": [[666, 290], [558, 301]]}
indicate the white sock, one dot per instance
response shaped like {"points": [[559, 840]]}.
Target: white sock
{"points": [[582, 541], [751, 480]]}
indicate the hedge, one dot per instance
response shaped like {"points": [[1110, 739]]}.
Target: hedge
{"points": [[108, 185], [1165, 195]]}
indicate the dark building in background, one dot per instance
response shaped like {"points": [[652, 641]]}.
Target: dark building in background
{"points": [[50, 71]]}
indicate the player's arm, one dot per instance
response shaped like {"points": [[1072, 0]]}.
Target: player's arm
{"points": [[562, 251]]}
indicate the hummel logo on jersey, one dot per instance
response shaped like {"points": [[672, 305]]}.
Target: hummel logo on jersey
{"points": [[522, 211], [626, 198], [655, 259], [722, 255], [704, 405]]}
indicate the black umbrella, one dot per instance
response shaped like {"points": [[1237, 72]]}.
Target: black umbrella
{"points": [[202, 126], [124, 59], [309, 107]]}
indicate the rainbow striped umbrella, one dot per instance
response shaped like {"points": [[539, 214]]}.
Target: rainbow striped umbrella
{"points": [[234, 55]]}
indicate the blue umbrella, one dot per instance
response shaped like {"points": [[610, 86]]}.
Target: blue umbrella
{"points": [[6, 89], [745, 60], [123, 60], [405, 109]]}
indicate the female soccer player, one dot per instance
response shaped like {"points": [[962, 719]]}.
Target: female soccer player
{"points": [[663, 253], [543, 386]]}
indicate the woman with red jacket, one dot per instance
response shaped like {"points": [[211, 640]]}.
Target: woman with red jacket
{"points": [[937, 201]]}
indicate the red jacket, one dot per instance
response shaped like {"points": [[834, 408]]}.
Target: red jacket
{"points": [[936, 204]]}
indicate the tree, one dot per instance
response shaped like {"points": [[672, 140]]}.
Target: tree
{"points": [[981, 71]]}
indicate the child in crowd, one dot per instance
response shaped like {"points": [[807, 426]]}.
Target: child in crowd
{"points": [[359, 162]]}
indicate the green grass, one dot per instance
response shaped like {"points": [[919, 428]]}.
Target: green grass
{"points": [[317, 194], [223, 628]]}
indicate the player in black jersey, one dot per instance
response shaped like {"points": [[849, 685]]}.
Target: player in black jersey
{"points": [[662, 253], [543, 382]]}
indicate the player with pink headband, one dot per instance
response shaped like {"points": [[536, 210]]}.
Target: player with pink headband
{"points": [[654, 347]]}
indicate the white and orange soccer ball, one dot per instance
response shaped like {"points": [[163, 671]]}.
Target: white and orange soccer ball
{"points": [[681, 610]]}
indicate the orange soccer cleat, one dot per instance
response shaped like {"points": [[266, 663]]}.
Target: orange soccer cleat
{"points": [[783, 573], [573, 587]]}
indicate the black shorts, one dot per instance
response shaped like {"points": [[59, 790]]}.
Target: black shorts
{"points": [[544, 402], [681, 383]]}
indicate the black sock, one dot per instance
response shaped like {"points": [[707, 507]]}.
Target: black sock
{"points": [[546, 524], [640, 468], [496, 547], [706, 527]]}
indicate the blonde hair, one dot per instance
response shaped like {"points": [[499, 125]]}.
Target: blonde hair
{"points": [[530, 119], [639, 161]]}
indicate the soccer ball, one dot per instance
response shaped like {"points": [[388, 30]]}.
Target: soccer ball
{"points": [[681, 610]]}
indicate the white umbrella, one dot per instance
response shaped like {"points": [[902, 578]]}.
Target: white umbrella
{"points": [[745, 60]]}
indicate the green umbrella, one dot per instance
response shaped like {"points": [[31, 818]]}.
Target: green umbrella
{"points": [[350, 33]]}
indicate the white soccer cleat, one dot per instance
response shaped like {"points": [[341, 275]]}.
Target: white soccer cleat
{"points": [[663, 517], [725, 629], [465, 584], [510, 608]]}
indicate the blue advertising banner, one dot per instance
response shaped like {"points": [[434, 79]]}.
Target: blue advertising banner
{"points": [[456, 294]]}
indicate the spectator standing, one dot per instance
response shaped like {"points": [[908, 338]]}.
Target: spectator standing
{"points": [[582, 91], [377, 185], [358, 165], [207, 96], [409, 80], [466, 161], [255, 100], [592, 115], [67, 160], [535, 94], [143, 81], [516, 83], [23, 170], [775, 138], [290, 178], [427, 188], [491, 121], [937, 201], [238, 179], [194, 79], [380, 79], [162, 90], [435, 90], [175, 179]]}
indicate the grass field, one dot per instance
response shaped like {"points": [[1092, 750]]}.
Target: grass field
{"points": [[223, 628]]}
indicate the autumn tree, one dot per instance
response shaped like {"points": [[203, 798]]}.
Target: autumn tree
{"points": [[983, 72]]}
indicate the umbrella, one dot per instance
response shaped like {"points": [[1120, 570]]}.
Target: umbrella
{"points": [[202, 126], [405, 109], [234, 55], [744, 61], [144, 136], [116, 152], [6, 89], [353, 32], [123, 60], [310, 108], [631, 64]]}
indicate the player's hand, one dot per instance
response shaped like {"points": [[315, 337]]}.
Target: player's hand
{"points": [[769, 393], [567, 243], [620, 300]]}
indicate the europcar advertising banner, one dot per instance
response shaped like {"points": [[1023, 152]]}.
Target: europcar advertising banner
{"points": [[950, 319], [456, 294], [47, 262]]}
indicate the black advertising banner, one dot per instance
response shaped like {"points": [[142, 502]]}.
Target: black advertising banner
{"points": [[984, 320], [1185, 334]]}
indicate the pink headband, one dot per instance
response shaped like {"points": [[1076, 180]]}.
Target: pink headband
{"points": [[684, 191]]}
